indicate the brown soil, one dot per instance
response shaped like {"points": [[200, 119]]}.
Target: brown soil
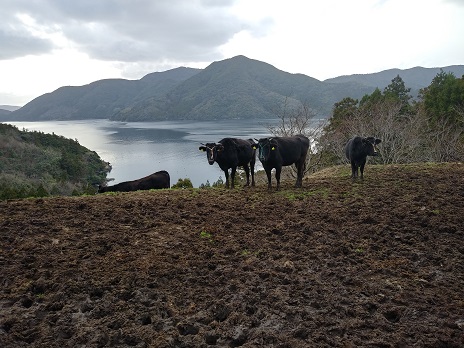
{"points": [[373, 263]]}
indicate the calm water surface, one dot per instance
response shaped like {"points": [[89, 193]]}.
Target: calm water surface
{"points": [[137, 149]]}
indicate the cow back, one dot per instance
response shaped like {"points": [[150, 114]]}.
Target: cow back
{"points": [[158, 180], [237, 152], [292, 149]]}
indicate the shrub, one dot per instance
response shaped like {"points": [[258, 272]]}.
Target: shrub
{"points": [[183, 184]]}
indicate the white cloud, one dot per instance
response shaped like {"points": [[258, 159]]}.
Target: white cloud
{"points": [[51, 71]]}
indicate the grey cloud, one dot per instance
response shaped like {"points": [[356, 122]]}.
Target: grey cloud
{"points": [[19, 43], [140, 30]]}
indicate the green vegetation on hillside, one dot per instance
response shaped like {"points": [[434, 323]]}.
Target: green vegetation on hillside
{"points": [[235, 88], [35, 164], [430, 129]]}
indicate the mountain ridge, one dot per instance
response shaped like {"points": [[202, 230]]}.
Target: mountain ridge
{"points": [[234, 88]]}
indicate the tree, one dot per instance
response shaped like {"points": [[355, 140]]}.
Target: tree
{"points": [[342, 111], [374, 98], [443, 99], [397, 91]]}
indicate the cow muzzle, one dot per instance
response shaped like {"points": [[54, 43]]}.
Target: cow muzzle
{"points": [[264, 151]]}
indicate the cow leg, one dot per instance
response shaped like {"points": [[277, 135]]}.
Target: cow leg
{"points": [[232, 177], [354, 170], [268, 174], [252, 169], [299, 180], [226, 173], [363, 163], [300, 166], [277, 174], [247, 172]]}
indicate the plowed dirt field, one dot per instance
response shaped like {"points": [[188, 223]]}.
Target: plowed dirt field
{"points": [[337, 263]]}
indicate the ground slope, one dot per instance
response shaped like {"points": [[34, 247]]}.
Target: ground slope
{"points": [[377, 263]]}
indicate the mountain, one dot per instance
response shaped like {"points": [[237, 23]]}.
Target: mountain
{"points": [[99, 99], [414, 78], [234, 88], [4, 113], [237, 88], [5, 110], [9, 107]]}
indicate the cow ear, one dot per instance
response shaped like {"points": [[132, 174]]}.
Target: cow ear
{"points": [[202, 148], [378, 141]]}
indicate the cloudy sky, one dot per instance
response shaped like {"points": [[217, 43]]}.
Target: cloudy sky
{"points": [[46, 44]]}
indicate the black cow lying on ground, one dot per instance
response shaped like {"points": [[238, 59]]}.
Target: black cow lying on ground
{"points": [[357, 149], [232, 153], [277, 152], [158, 180]]}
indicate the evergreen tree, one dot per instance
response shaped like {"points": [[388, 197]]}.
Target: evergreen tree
{"points": [[397, 90], [443, 99], [343, 110], [372, 99]]}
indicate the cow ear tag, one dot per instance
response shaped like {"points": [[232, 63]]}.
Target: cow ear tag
{"points": [[273, 148]]}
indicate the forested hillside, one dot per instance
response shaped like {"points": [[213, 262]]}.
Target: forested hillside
{"points": [[415, 78], [39, 164], [100, 99], [235, 88]]}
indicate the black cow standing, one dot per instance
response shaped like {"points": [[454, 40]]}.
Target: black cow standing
{"points": [[158, 180], [357, 149], [277, 152], [232, 153]]}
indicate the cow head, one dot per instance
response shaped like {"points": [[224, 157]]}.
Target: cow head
{"points": [[370, 145], [212, 151], [265, 147]]}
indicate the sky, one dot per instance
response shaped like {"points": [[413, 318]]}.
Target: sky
{"points": [[46, 44]]}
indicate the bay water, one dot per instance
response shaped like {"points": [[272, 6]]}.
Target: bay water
{"points": [[137, 149]]}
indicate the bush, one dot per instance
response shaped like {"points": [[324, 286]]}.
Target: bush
{"points": [[219, 183], [183, 184]]}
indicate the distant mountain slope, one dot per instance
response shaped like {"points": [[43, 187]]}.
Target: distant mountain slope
{"points": [[414, 78], [4, 113], [100, 99], [237, 88], [9, 107], [234, 88]]}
